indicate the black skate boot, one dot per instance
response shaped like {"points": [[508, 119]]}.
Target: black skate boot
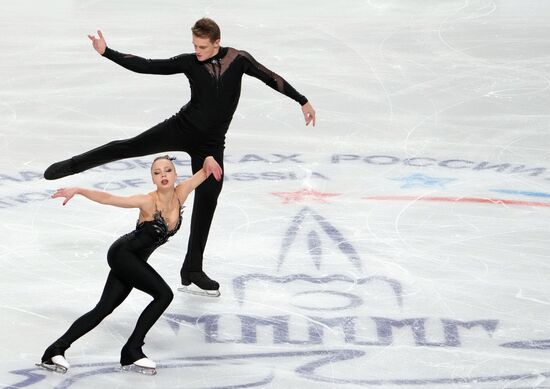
{"points": [[205, 286], [133, 359], [54, 358], [60, 169]]}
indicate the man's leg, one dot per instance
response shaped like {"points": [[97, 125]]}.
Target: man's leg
{"points": [[204, 206], [165, 136]]}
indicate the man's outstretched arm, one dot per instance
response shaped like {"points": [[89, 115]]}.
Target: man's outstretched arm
{"points": [[138, 64], [259, 71]]}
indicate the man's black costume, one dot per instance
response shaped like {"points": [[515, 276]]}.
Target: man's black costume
{"points": [[199, 129]]}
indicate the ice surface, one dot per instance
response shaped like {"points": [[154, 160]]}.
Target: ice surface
{"points": [[400, 243]]}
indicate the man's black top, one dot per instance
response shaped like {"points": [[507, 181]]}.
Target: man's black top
{"points": [[215, 85]]}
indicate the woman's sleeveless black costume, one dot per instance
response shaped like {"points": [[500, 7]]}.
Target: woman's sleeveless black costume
{"points": [[127, 258]]}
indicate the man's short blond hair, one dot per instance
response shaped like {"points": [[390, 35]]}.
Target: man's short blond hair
{"points": [[206, 28]]}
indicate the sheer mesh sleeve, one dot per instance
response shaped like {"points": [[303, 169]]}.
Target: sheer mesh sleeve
{"points": [[148, 66], [272, 79]]}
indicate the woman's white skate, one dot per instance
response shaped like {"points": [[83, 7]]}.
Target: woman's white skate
{"points": [[143, 366], [58, 364]]}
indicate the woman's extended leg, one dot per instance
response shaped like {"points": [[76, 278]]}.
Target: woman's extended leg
{"points": [[114, 293]]}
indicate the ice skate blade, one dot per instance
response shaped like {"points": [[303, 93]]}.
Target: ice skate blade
{"points": [[53, 367], [139, 369], [200, 292]]}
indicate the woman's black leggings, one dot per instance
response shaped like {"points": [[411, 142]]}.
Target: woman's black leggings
{"points": [[128, 271]]}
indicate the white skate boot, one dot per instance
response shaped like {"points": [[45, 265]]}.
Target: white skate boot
{"points": [[143, 366], [57, 363]]}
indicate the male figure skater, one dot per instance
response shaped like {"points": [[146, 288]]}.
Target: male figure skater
{"points": [[199, 128]]}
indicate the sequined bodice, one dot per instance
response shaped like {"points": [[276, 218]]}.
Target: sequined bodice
{"points": [[159, 226]]}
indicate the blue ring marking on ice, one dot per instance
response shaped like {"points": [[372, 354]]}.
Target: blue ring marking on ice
{"points": [[354, 300]]}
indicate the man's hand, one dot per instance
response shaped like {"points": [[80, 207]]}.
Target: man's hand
{"points": [[210, 166], [309, 113], [99, 43]]}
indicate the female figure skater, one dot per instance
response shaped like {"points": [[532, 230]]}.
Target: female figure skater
{"points": [[160, 216]]}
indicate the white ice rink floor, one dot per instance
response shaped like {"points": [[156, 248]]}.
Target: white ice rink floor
{"points": [[401, 243]]}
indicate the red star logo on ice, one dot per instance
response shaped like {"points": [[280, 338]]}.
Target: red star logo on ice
{"points": [[303, 195]]}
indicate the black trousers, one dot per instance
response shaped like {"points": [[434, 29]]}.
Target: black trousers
{"points": [[170, 135], [129, 269]]}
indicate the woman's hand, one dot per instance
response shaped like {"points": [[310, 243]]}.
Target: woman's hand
{"points": [[68, 193], [210, 166]]}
